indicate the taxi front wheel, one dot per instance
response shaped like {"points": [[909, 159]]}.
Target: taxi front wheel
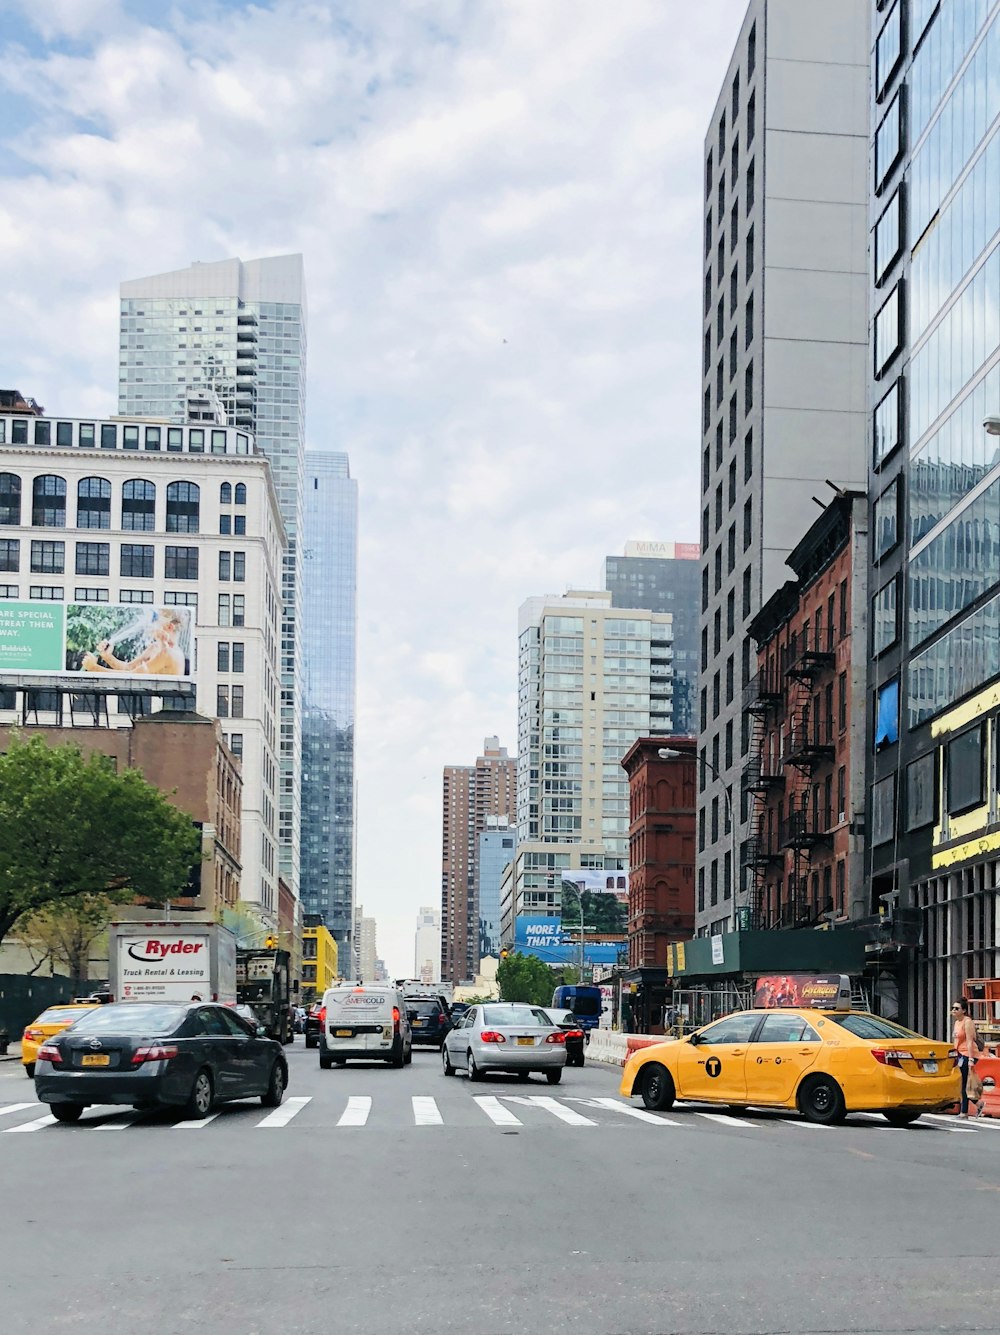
{"points": [[657, 1087], [821, 1100]]}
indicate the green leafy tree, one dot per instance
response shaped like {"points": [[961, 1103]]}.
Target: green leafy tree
{"points": [[525, 978], [65, 936], [71, 829]]}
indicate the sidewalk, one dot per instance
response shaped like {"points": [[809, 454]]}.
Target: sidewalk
{"points": [[13, 1053]]}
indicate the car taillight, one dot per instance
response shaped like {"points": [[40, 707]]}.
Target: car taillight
{"points": [[48, 1052], [491, 1036], [574, 1033], [33, 1035], [395, 1019], [891, 1056], [558, 1037], [322, 1015], [153, 1052]]}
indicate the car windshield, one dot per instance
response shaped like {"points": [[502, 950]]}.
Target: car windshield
{"points": [[66, 1016], [423, 1008], [586, 1006], [871, 1026], [561, 1017], [132, 1018], [516, 1015]]}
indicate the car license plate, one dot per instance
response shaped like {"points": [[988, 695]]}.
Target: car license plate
{"points": [[930, 1067], [96, 1059], [526, 1042], [417, 1024], [343, 1033]]}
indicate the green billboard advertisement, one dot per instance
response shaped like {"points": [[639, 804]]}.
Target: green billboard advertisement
{"points": [[123, 639], [32, 637]]}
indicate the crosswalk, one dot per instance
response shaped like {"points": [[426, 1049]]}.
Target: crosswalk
{"points": [[509, 1112]]}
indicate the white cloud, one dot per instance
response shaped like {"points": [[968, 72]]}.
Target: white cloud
{"points": [[456, 176]]}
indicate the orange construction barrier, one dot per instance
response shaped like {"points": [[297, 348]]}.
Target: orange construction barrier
{"points": [[988, 1070]]}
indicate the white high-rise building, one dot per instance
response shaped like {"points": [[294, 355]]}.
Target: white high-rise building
{"points": [[147, 514], [365, 949], [239, 330], [427, 945]]}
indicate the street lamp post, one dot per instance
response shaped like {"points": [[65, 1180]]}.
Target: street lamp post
{"points": [[669, 753]]}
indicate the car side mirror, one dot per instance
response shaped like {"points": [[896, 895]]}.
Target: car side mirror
{"points": [[694, 1039], [261, 1031]]}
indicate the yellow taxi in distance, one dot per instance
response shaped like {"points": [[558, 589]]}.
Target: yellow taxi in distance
{"points": [[825, 1063], [52, 1021]]}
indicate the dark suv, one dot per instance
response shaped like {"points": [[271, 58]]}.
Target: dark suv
{"points": [[429, 1020]]}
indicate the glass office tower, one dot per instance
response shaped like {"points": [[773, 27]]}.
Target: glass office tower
{"points": [[328, 571], [933, 824], [238, 329]]}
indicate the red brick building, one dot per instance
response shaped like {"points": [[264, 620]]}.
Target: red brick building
{"points": [[804, 724], [662, 833]]}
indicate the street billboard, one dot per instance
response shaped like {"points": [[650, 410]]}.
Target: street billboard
{"points": [[545, 938], [121, 639], [829, 992], [597, 882]]}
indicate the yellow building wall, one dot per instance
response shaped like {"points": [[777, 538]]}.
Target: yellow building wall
{"points": [[320, 972]]}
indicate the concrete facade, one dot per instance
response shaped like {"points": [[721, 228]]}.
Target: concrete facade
{"points": [[784, 336], [427, 945]]}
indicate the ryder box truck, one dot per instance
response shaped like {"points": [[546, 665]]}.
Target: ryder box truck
{"points": [[172, 961]]}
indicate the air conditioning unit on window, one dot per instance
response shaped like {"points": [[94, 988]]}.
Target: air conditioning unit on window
{"points": [[842, 816]]}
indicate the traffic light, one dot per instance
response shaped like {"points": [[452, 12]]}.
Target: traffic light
{"points": [[270, 943], [504, 953]]}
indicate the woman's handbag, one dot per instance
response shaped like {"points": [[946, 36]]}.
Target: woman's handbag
{"points": [[974, 1086]]}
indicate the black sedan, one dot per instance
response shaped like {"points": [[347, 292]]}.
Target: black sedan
{"points": [[575, 1037], [189, 1056]]}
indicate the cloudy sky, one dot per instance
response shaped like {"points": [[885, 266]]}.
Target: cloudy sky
{"points": [[499, 206]]}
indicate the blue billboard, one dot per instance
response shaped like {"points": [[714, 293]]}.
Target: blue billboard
{"points": [[544, 938]]}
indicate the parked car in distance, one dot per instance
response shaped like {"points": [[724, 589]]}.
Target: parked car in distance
{"points": [[313, 1023], [505, 1036], [190, 1056], [429, 1020], [51, 1022], [575, 1036]]}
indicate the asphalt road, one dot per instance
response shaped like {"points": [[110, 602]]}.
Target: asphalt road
{"points": [[399, 1201]]}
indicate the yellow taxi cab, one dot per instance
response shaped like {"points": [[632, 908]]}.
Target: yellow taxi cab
{"points": [[825, 1063], [52, 1021]]}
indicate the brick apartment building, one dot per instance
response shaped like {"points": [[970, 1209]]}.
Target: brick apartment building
{"points": [[804, 730], [663, 800]]}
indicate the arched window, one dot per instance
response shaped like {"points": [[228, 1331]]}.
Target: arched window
{"points": [[183, 507], [10, 498], [241, 493], [48, 504], [226, 494], [139, 506], [93, 503]]}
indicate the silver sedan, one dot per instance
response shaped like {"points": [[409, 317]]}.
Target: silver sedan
{"points": [[505, 1036]]}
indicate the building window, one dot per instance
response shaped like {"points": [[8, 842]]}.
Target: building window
{"points": [[136, 561], [183, 507], [921, 792], [196, 441], [237, 701], [91, 595], [239, 567], [53, 593], [226, 493], [48, 558], [130, 438], [10, 554], [887, 427], [225, 566], [224, 609], [718, 569], [218, 442], [751, 185], [153, 436], [139, 506], [93, 558], [222, 658], [888, 142], [730, 679], [93, 503], [748, 388], [748, 456], [225, 525], [888, 330], [885, 618], [746, 593], [109, 436], [747, 522], [48, 508], [135, 595], [181, 563], [888, 51], [701, 885], [888, 235], [182, 600], [883, 810], [733, 353], [43, 432], [752, 51], [730, 614], [749, 254], [733, 419], [10, 498], [731, 549], [965, 770], [175, 440], [885, 521], [222, 702], [10, 591], [842, 702], [236, 744], [887, 714], [239, 653]]}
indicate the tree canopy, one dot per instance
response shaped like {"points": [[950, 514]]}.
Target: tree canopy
{"points": [[525, 978], [71, 828]]}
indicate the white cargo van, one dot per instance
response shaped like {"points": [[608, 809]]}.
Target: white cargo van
{"points": [[364, 1022]]}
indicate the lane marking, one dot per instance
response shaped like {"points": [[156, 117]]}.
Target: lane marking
{"points": [[496, 1112], [289, 1109], [426, 1112], [726, 1120], [808, 1126], [30, 1126], [356, 1112], [120, 1122], [195, 1124], [975, 1123], [567, 1115], [17, 1107], [640, 1114]]}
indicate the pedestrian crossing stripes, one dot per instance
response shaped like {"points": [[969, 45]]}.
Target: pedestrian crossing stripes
{"points": [[504, 1111]]}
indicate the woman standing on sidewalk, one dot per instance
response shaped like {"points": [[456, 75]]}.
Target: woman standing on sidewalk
{"points": [[965, 1044]]}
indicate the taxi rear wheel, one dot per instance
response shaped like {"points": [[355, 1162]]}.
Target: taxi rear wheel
{"points": [[822, 1100], [657, 1087], [902, 1116]]}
